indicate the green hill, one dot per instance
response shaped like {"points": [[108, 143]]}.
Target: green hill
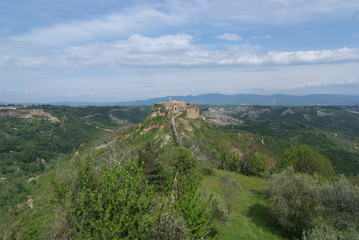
{"points": [[47, 193], [34, 138], [171, 176], [332, 130]]}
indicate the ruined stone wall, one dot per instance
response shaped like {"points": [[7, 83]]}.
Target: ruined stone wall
{"points": [[193, 111], [175, 107]]}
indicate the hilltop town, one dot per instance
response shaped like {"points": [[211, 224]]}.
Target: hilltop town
{"points": [[176, 107]]}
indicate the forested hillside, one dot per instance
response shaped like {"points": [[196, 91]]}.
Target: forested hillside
{"points": [[332, 130], [34, 137]]}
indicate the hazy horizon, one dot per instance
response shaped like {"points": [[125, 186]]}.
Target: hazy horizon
{"points": [[218, 98]]}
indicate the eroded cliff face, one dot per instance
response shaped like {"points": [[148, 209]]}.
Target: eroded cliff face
{"points": [[28, 114]]}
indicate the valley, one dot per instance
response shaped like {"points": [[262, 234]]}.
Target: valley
{"points": [[332, 130]]}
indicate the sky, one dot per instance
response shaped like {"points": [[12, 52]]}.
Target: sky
{"points": [[120, 50]]}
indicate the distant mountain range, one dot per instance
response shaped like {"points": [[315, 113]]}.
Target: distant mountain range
{"points": [[238, 99]]}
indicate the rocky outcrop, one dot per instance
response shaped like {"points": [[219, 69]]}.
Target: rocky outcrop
{"points": [[29, 114]]}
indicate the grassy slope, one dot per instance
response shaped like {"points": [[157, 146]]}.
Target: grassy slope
{"points": [[251, 217]]}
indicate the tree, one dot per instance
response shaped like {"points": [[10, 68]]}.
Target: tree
{"points": [[294, 197], [340, 200], [152, 169], [196, 212], [306, 160], [251, 165], [110, 204], [229, 161], [185, 164]]}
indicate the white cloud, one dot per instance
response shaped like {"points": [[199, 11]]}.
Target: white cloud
{"points": [[306, 85], [167, 51], [111, 26], [349, 81], [140, 52], [230, 37], [261, 37], [314, 56]]}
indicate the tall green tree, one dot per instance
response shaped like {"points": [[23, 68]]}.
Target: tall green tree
{"points": [[111, 203], [195, 210], [152, 169]]}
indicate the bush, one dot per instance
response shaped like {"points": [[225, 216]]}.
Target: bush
{"points": [[306, 160], [231, 190], [300, 203], [323, 232], [168, 226], [294, 199], [220, 212], [207, 172], [341, 204], [111, 204], [251, 165], [256, 167]]}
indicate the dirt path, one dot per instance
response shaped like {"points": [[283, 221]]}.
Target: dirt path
{"points": [[177, 137]]}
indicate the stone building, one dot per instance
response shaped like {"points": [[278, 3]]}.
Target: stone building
{"points": [[175, 107]]}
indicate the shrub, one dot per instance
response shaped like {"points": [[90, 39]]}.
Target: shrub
{"points": [[323, 232], [231, 190], [220, 212], [207, 172], [341, 204], [251, 165], [168, 226], [256, 167], [294, 199], [306, 160], [111, 204]]}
